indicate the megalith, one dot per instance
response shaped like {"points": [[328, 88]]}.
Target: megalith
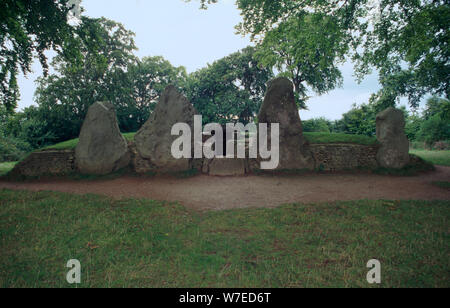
{"points": [[394, 150], [154, 140], [279, 107], [101, 148]]}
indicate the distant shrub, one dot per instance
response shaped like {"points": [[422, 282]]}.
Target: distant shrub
{"points": [[435, 129], [319, 125], [12, 149]]}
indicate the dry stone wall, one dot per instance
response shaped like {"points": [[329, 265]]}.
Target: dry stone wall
{"points": [[327, 157], [335, 157], [46, 163]]}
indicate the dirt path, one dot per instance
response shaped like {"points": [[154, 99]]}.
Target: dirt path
{"points": [[204, 192]]}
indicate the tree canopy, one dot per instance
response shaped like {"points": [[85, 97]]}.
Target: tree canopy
{"points": [[230, 89], [406, 41], [91, 68], [28, 28], [307, 49], [99, 65]]}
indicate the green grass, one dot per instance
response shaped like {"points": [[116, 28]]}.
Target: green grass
{"points": [[142, 243], [416, 166], [436, 157], [339, 138], [72, 144], [311, 137], [6, 167]]}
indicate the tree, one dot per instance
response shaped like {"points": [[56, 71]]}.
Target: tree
{"points": [[28, 28], [12, 148], [320, 125], [360, 120], [436, 121], [307, 49], [231, 89], [434, 129], [92, 67], [147, 79], [406, 41], [412, 127], [435, 105], [408, 44]]}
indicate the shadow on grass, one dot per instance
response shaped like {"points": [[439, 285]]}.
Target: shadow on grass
{"points": [[416, 166]]}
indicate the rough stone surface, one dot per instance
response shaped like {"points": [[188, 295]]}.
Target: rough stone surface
{"points": [[394, 150], [279, 107], [139, 164], [335, 157], [225, 166], [102, 149], [46, 163], [154, 139]]}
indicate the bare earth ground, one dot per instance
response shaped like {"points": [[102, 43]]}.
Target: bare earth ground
{"points": [[218, 193]]}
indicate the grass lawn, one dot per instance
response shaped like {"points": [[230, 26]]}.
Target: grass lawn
{"points": [[72, 144], [6, 167], [142, 243], [311, 137], [339, 138], [435, 157]]}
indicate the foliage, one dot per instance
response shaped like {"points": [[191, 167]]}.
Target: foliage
{"points": [[434, 129], [147, 79], [408, 44], [306, 48], [229, 90], [12, 149], [92, 68], [29, 28], [360, 120], [317, 125], [406, 41], [436, 121], [436, 105], [412, 127], [100, 66]]}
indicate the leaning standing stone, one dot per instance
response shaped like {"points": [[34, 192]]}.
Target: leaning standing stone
{"points": [[279, 107], [394, 150], [154, 140], [101, 149]]}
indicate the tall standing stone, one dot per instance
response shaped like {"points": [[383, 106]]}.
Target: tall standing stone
{"points": [[279, 107], [394, 150], [101, 149], [154, 140]]}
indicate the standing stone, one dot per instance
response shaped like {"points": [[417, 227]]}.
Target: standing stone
{"points": [[394, 150], [279, 107], [101, 149], [154, 140]]}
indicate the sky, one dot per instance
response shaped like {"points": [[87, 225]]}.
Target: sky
{"points": [[190, 37]]}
